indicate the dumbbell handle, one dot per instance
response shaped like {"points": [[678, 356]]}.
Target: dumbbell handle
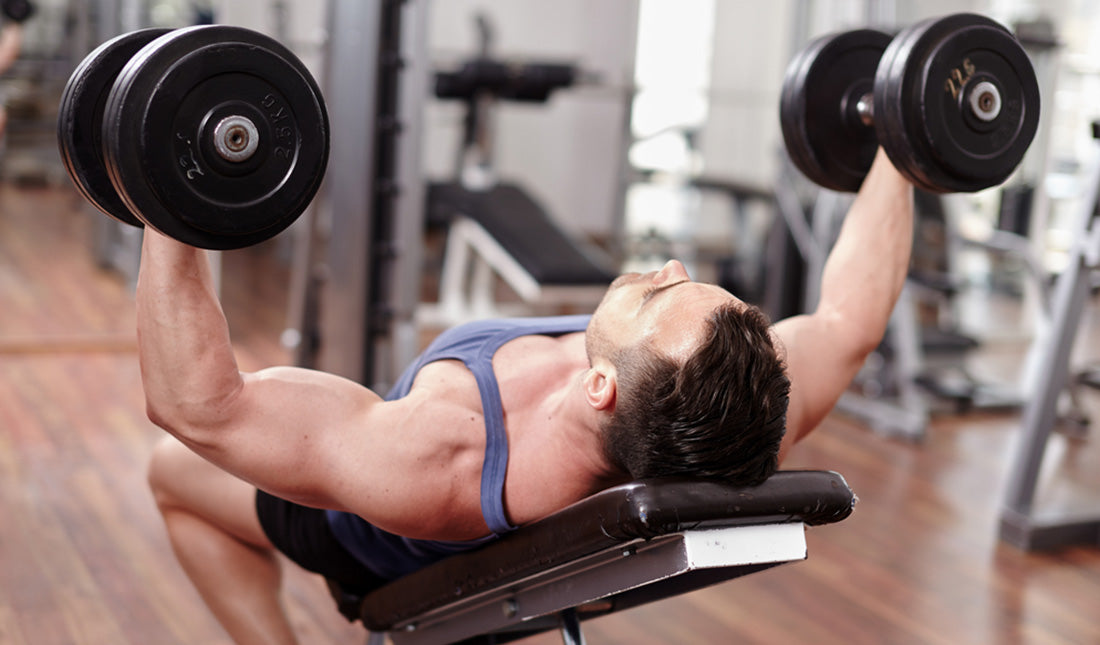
{"points": [[865, 109], [236, 138], [984, 100]]}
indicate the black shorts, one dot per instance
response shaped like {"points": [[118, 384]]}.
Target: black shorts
{"points": [[303, 534]]}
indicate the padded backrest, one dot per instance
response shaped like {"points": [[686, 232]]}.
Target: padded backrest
{"points": [[642, 509]]}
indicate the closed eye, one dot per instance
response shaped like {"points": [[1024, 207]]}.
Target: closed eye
{"points": [[650, 292]]}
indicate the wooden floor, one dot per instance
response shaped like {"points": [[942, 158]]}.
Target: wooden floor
{"points": [[83, 558]]}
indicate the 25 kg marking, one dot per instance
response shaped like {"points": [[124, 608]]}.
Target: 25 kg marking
{"points": [[958, 78], [283, 133]]}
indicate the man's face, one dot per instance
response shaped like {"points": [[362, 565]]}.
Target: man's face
{"points": [[665, 308]]}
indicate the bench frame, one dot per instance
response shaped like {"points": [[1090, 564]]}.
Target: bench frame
{"points": [[622, 577]]}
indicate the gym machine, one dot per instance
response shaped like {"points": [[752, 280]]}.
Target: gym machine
{"points": [[1021, 524], [919, 369], [496, 228]]}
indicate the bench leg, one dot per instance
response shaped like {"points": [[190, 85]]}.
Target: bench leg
{"points": [[570, 627]]}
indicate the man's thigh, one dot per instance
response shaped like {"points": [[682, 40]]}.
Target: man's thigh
{"points": [[183, 481]]}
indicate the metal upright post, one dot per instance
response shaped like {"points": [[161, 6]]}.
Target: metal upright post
{"points": [[570, 627], [409, 175], [354, 27], [374, 195]]}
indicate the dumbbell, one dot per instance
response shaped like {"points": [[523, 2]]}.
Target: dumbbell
{"points": [[953, 102], [214, 135]]}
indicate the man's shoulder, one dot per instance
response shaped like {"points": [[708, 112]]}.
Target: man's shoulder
{"points": [[444, 386]]}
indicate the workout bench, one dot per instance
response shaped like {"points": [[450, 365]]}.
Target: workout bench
{"points": [[503, 231], [620, 548]]}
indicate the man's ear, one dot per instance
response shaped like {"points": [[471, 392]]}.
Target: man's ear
{"points": [[600, 387]]}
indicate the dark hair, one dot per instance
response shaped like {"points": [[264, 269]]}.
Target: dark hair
{"points": [[720, 415]]}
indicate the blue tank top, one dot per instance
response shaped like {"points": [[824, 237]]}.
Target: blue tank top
{"points": [[391, 556]]}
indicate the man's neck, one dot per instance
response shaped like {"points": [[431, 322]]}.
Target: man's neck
{"points": [[556, 454]]}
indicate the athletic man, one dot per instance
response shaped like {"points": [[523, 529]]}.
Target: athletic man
{"points": [[501, 423]]}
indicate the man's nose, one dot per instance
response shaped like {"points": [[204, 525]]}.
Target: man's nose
{"points": [[673, 270]]}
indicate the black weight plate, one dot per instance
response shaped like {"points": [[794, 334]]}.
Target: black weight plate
{"points": [[80, 120], [792, 109], [974, 150], [893, 130], [821, 128], [159, 126], [888, 125], [927, 92]]}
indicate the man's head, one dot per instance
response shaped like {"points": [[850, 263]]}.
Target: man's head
{"points": [[688, 379]]}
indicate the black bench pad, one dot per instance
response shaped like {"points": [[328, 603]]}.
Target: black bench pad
{"points": [[639, 510], [523, 227]]}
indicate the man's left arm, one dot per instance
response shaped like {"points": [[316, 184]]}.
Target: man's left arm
{"points": [[862, 280]]}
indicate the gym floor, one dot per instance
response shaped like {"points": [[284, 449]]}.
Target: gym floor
{"points": [[83, 558]]}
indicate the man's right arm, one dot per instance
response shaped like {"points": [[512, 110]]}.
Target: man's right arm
{"points": [[861, 282], [307, 436]]}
